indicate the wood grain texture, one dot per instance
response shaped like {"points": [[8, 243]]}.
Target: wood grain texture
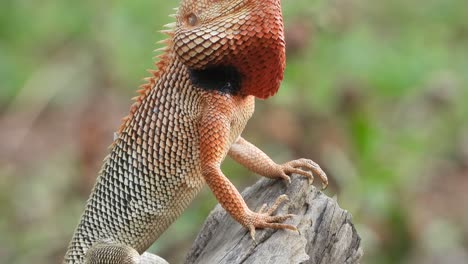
{"points": [[327, 234]]}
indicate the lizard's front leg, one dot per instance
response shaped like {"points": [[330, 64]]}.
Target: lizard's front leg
{"points": [[257, 161], [214, 144]]}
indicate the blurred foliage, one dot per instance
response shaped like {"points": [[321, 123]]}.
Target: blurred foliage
{"points": [[375, 91]]}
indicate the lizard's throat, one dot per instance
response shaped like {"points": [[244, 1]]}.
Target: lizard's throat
{"points": [[263, 72], [260, 77], [225, 79]]}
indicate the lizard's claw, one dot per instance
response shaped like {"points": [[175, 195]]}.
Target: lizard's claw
{"points": [[264, 219], [303, 167]]}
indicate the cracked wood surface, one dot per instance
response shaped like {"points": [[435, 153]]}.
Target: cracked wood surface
{"points": [[327, 235]]}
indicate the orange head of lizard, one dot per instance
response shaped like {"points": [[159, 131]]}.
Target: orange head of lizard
{"points": [[245, 35]]}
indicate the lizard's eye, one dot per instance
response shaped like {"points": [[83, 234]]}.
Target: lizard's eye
{"points": [[192, 19]]}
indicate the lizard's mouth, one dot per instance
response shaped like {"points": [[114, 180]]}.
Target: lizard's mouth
{"points": [[225, 79]]}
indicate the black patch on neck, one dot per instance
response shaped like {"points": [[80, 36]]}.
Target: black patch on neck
{"points": [[225, 79]]}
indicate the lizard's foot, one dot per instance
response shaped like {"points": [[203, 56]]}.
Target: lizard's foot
{"points": [[264, 219], [303, 167]]}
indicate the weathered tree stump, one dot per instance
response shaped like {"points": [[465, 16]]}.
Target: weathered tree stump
{"points": [[326, 236]]}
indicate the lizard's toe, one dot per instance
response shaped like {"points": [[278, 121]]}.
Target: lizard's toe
{"points": [[264, 219], [300, 164]]}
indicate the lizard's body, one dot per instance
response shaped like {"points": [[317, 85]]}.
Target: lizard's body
{"points": [[187, 119]]}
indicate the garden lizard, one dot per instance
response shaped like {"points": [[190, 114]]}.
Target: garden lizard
{"points": [[219, 57]]}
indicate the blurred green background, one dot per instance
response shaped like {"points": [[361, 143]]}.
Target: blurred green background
{"points": [[375, 91]]}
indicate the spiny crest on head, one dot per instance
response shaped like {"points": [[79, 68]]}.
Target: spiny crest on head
{"points": [[162, 61]]}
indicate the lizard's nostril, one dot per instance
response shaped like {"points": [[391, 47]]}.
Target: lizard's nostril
{"points": [[192, 19]]}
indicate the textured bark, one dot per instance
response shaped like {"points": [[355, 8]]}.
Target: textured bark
{"points": [[326, 235]]}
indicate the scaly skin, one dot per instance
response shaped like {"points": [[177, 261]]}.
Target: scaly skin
{"points": [[221, 54]]}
